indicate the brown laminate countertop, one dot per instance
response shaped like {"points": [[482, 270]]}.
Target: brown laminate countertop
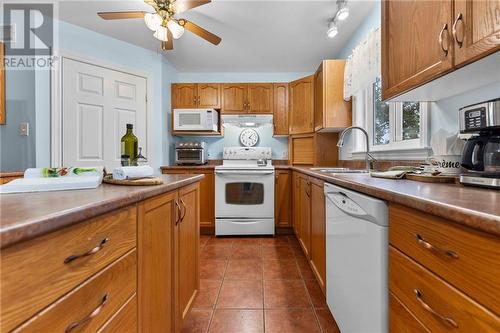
{"points": [[27, 215], [189, 167], [474, 207]]}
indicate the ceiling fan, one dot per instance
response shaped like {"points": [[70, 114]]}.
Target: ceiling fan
{"points": [[163, 20]]}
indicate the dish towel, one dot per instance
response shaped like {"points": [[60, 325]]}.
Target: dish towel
{"points": [[396, 174], [133, 172]]}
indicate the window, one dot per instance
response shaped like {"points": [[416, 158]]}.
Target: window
{"points": [[392, 126]]}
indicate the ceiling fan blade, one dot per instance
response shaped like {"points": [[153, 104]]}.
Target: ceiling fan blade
{"points": [[183, 5], [121, 15], [168, 45], [197, 30]]}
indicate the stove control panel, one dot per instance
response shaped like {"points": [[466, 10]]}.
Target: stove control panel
{"points": [[247, 153]]}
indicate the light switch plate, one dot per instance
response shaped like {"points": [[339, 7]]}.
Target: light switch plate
{"points": [[24, 129]]}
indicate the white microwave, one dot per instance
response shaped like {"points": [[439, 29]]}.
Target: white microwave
{"points": [[196, 120]]}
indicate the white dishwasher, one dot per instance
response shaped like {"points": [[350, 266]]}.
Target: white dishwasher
{"points": [[356, 260]]}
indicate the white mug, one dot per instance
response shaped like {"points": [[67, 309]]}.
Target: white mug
{"points": [[447, 164]]}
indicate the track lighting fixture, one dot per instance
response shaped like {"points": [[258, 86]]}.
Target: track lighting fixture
{"points": [[332, 29], [341, 14]]}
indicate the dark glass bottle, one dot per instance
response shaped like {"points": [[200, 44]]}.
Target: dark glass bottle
{"points": [[129, 144]]}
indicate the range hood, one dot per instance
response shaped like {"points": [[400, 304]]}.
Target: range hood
{"points": [[247, 120]]}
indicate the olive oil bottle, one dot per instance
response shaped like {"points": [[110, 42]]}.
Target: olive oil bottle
{"points": [[129, 145]]}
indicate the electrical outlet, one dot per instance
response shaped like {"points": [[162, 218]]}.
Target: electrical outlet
{"points": [[24, 129]]}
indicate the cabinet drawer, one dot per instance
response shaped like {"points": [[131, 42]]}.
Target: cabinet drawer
{"points": [[123, 321], [401, 320], [468, 259], [436, 304], [89, 306], [37, 272]]}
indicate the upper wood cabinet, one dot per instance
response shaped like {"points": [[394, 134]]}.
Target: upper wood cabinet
{"points": [[302, 106], [423, 40], [280, 109], [476, 29], [416, 43], [196, 95], [315, 149], [234, 98], [331, 112], [282, 198], [247, 98]]}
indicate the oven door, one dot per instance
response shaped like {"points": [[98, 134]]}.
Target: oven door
{"points": [[244, 194]]}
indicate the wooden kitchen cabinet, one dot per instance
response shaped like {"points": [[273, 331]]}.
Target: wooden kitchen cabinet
{"points": [[207, 195], [331, 112], [234, 98], [280, 109], [186, 253], [296, 202], [282, 198], [315, 149], [304, 229], [260, 98], [417, 44], [196, 95], [302, 105], [476, 29], [318, 231]]}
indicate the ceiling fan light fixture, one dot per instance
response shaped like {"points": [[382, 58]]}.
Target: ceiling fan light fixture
{"points": [[176, 29], [332, 30], [153, 21], [161, 34]]}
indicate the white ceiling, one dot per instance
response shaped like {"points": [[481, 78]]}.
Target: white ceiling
{"points": [[257, 36]]}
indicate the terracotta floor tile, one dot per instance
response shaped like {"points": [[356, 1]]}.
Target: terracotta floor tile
{"points": [[255, 241], [275, 241], [281, 269], [211, 269], [285, 294], [241, 294], [209, 290], [298, 253], [305, 269], [220, 240], [326, 321], [277, 252], [204, 239], [246, 269], [291, 321], [317, 297], [294, 242], [219, 251], [237, 321], [197, 321], [245, 252]]}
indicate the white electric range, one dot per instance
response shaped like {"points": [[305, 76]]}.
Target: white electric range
{"points": [[244, 192]]}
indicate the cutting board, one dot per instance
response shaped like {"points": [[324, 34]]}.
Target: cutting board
{"points": [[132, 182], [431, 179]]}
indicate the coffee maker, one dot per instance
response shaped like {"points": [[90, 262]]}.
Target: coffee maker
{"points": [[481, 154]]}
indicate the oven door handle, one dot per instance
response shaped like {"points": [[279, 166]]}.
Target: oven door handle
{"points": [[245, 221], [255, 173]]}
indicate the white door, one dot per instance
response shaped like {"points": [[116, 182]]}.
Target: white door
{"points": [[97, 103]]}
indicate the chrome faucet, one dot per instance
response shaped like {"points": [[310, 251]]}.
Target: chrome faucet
{"points": [[368, 156]]}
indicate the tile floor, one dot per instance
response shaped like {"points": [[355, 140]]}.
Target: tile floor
{"points": [[257, 285]]}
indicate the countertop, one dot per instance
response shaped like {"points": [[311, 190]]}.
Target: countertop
{"points": [[27, 215], [474, 207]]}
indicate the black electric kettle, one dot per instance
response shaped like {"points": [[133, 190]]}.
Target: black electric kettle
{"points": [[482, 154]]}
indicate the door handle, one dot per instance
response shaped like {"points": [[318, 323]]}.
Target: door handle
{"points": [[88, 253], [185, 210], [90, 316], [441, 40], [454, 30], [179, 213], [428, 308]]}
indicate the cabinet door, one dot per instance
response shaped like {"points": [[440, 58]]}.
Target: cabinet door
{"points": [[318, 232], [296, 203], [207, 197], [476, 29], [401, 320], [302, 106], [260, 98], [305, 214], [282, 197], [280, 108], [186, 243], [319, 101], [184, 96], [234, 98], [416, 43], [155, 276], [209, 95]]}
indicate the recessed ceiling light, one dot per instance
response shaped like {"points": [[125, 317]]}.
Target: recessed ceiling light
{"points": [[332, 30]]}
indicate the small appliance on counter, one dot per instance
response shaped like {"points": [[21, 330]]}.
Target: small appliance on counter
{"points": [[205, 120], [481, 154], [191, 153]]}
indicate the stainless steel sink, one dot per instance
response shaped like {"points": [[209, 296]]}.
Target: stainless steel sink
{"points": [[339, 170]]}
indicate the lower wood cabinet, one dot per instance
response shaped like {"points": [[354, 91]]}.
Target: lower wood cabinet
{"points": [[282, 198], [318, 231], [296, 202], [304, 234]]}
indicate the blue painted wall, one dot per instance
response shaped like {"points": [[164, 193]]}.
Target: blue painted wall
{"points": [[241, 77]]}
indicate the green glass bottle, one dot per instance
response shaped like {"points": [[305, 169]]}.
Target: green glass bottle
{"points": [[129, 147]]}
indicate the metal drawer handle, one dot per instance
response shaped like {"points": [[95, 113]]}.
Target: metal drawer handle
{"points": [[88, 253], [179, 213], [445, 50], [185, 210], [90, 316], [426, 306], [454, 30], [429, 246]]}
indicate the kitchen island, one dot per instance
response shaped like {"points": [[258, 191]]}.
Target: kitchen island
{"points": [[105, 259]]}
